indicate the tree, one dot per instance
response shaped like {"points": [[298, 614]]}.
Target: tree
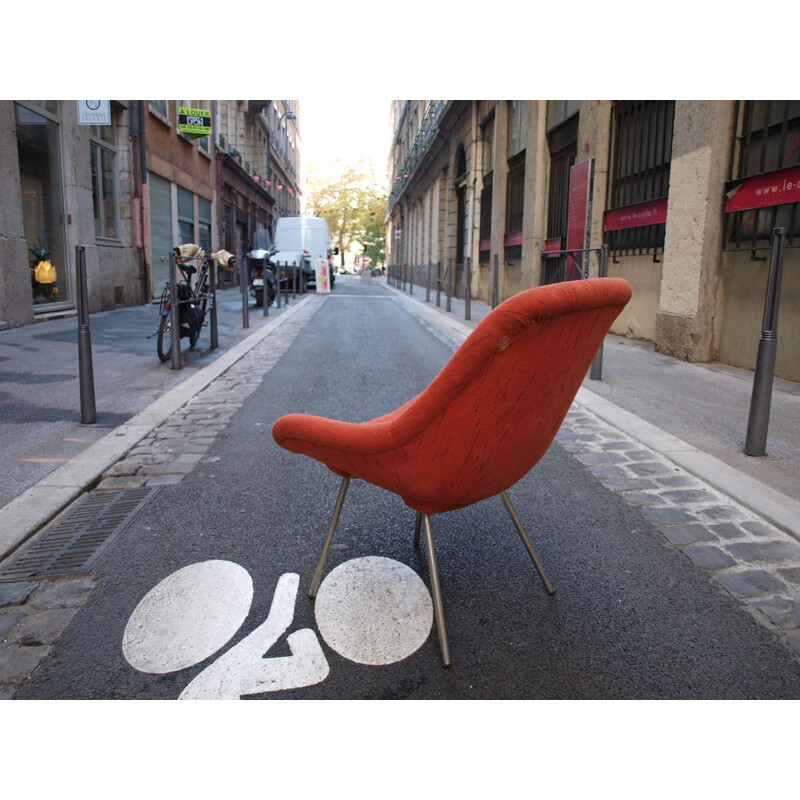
{"points": [[349, 197]]}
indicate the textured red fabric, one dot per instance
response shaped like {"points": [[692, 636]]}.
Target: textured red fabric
{"points": [[490, 414]]}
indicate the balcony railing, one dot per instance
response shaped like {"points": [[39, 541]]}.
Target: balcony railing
{"points": [[434, 112]]}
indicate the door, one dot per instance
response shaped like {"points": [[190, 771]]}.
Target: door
{"points": [[160, 231]]}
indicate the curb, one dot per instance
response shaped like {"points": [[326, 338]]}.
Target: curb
{"points": [[36, 506]]}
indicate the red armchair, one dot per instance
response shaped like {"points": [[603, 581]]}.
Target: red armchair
{"points": [[481, 425]]}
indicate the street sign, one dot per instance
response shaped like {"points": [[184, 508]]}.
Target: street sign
{"points": [[94, 112], [194, 122]]}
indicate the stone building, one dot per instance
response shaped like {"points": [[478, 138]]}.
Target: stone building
{"points": [[128, 185], [66, 182], [684, 195]]}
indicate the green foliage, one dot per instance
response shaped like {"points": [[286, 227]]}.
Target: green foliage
{"points": [[349, 198]]}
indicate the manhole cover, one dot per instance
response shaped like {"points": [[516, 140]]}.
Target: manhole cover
{"points": [[75, 540]]}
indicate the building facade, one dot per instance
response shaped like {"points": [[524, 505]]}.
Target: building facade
{"points": [[66, 184], [130, 188], [683, 194]]}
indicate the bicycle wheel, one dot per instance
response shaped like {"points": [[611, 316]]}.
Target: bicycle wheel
{"points": [[164, 340]]}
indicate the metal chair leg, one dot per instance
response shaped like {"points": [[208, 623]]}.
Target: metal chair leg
{"points": [[438, 606], [337, 509], [527, 542], [417, 527]]}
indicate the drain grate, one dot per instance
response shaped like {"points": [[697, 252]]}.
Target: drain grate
{"points": [[73, 542]]}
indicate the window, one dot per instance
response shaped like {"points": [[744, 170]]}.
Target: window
{"points": [[515, 205], [485, 241], [767, 140], [563, 143], [159, 108], [42, 200], [641, 154], [204, 223], [185, 217], [105, 185], [517, 126]]}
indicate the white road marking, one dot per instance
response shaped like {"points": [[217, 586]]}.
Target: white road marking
{"points": [[374, 610], [188, 616], [243, 670]]}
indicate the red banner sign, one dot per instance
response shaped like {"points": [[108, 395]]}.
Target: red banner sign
{"points": [[511, 239], [761, 191], [553, 246], [653, 212], [580, 189], [485, 244]]}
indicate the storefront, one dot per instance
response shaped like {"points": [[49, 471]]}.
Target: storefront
{"points": [[42, 195]]}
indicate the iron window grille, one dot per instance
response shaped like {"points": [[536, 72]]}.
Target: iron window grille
{"points": [[767, 139], [515, 206], [563, 143], [484, 251], [640, 168]]}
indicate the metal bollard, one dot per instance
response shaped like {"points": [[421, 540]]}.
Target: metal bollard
{"points": [[495, 281], [428, 287], [213, 301], [438, 284], [85, 369], [468, 288], [245, 307], [174, 314], [596, 371], [761, 398], [448, 288]]}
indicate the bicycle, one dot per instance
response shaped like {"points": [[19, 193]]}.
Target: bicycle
{"points": [[193, 301]]}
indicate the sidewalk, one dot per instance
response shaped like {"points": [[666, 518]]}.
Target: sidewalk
{"points": [[694, 414]]}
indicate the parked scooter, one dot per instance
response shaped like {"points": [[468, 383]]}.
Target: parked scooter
{"points": [[43, 276], [262, 277]]}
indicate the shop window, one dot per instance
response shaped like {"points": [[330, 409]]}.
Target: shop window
{"points": [[487, 140], [42, 200], [641, 155], [767, 141], [105, 182], [563, 143]]}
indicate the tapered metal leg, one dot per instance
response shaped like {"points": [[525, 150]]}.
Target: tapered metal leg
{"points": [[337, 509], [417, 527], [438, 606], [527, 542]]}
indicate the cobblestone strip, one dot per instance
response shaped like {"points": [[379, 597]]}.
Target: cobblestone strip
{"points": [[175, 448], [34, 613], [746, 556]]}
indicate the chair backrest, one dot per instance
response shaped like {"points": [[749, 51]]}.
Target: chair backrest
{"points": [[496, 406]]}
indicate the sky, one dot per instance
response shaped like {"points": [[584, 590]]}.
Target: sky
{"points": [[333, 127]]}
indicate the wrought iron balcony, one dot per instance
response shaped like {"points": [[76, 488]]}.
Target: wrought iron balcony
{"points": [[418, 148]]}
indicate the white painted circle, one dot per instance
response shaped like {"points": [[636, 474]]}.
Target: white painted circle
{"points": [[188, 616], [374, 610]]}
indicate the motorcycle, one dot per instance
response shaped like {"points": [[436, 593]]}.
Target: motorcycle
{"points": [[262, 277], [43, 276]]}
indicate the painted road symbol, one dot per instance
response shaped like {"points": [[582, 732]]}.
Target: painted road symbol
{"points": [[370, 610]]}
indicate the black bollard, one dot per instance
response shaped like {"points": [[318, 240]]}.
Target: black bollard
{"points": [[761, 398], [85, 369]]}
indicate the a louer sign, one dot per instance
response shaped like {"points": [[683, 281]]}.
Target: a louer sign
{"points": [[194, 122]]}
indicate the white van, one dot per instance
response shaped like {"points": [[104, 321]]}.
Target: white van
{"points": [[302, 241]]}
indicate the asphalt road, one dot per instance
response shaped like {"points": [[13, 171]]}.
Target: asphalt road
{"points": [[631, 617]]}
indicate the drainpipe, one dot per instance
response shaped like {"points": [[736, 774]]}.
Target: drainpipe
{"points": [[144, 214]]}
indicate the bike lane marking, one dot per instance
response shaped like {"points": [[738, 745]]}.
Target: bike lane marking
{"points": [[370, 610]]}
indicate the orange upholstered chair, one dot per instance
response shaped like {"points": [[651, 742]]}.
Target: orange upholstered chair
{"points": [[484, 421]]}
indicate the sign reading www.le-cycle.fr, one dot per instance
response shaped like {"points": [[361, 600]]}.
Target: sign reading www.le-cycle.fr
{"points": [[370, 610]]}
